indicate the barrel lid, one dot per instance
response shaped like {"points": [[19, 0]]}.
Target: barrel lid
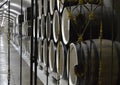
{"points": [[56, 26], [65, 26]]}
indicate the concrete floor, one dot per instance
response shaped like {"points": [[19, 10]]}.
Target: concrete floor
{"points": [[15, 65]]}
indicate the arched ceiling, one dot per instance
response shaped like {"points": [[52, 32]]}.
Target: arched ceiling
{"points": [[16, 4], [15, 7]]}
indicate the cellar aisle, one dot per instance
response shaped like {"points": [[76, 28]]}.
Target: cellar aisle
{"points": [[15, 65]]}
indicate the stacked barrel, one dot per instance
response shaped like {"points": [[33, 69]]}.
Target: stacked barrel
{"points": [[70, 43]]}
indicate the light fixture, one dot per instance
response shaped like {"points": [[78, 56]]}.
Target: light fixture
{"points": [[5, 6]]}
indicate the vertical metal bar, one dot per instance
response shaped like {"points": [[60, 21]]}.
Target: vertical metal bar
{"points": [[47, 67], [21, 20], [100, 52], [47, 48], [68, 64], [69, 59], [47, 62], [59, 60], [9, 43], [36, 43], [79, 59], [100, 58], [112, 40], [31, 54], [58, 81], [90, 43]]}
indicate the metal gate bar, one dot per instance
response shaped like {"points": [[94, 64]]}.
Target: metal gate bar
{"points": [[9, 43], [31, 53], [21, 20], [36, 43], [112, 37]]}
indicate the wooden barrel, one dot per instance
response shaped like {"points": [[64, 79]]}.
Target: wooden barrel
{"points": [[38, 27], [52, 55], [61, 57], [117, 45], [93, 68], [48, 27], [43, 27], [65, 3], [65, 26], [52, 6], [94, 1], [45, 6], [56, 26], [69, 29], [59, 6], [40, 5], [45, 51], [40, 56]]}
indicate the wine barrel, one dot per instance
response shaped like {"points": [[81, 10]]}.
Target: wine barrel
{"points": [[61, 57], [65, 23], [52, 55], [69, 29], [94, 1], [45, 6], [40, 5], [72, 27], [59, 6], [117, 45], [40, 56], [52, 6], [43, 27], [65, 3], [45, 51], [56, 26], [90, 71], [48, 27], [38, 27]]}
